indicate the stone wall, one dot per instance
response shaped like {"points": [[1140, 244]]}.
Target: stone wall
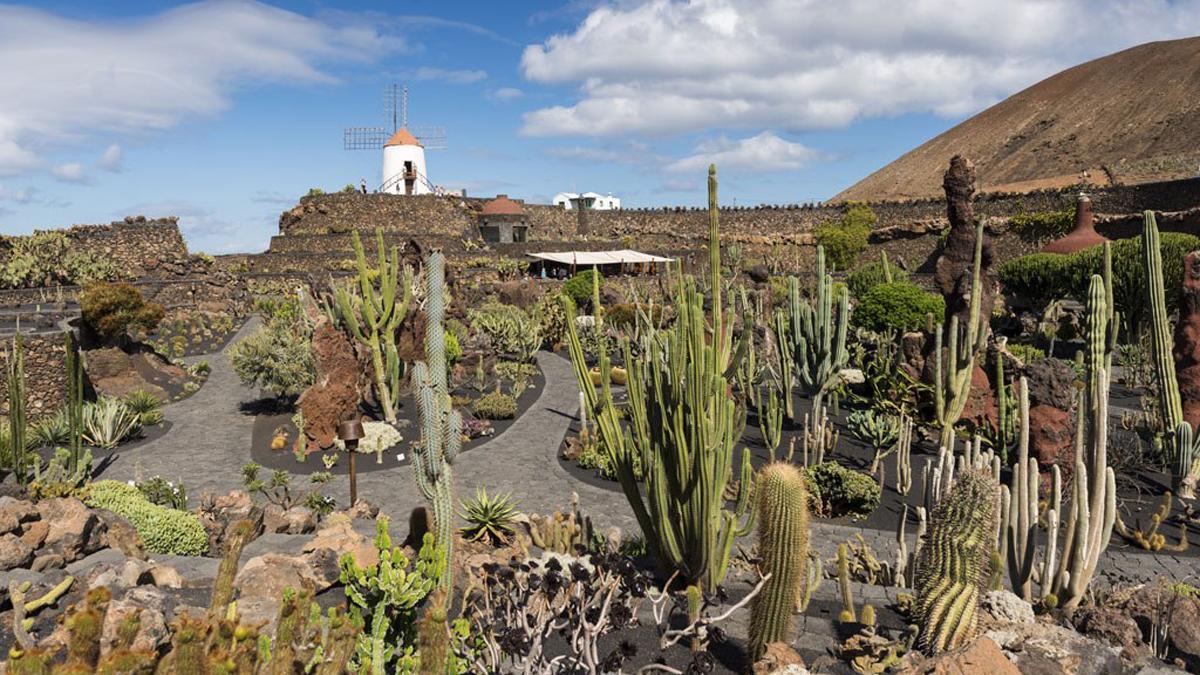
{"points": [[134, 244], [45, 375]]}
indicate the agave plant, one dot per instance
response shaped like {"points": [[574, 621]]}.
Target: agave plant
{"points": [[147, 406], [51, 430], [109, 421], [490, 518]]}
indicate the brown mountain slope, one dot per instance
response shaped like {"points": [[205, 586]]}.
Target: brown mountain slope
{"points": [[1128, 117]]}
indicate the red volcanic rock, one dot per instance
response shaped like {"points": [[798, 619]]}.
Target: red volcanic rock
{"points": [[953, 269], [334, 396], [1187, 340], [1052, 436], [1084, 235]]}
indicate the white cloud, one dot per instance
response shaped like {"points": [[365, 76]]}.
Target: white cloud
{"points": [[631, 153], [506, 94], [71, 173], [450, 76], [66, 79], [764, 152], [16, 196], [111, 159], [664, 66]]}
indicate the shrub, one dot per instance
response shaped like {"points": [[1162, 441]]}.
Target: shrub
{"points": [[111, 309], [870, 275], [495, 406], [454, 351], [846, 238], [109, 421], [622, 316], [1042, 226], [839, 491], [511, 370], [579, 288], [551, 318], [1039, 278], [900, 306], [275, 358], [1027, 353], [508, 328], [162, 529]]}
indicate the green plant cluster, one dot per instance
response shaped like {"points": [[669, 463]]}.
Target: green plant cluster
{"points": [[495, 405], [162, 529], [162, 492], [868, 276], [846, 238], [277, 357], [579, 288], [509, 329], [838, 491], [46, 258], [900, 306], [110, 309], [1027, 353], [1042, 226], [1041, 278]]}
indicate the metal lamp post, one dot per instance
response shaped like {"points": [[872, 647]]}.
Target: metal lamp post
{"points": [[351, 431]]}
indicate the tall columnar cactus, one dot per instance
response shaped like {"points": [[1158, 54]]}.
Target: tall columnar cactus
{"points": [[952, 382], [953, 563], [16, 409], [682, 427], [374, 314], [441, 425], [1185, 462], [812, 337], [1093, 494], [74, 402], [783, 544]]}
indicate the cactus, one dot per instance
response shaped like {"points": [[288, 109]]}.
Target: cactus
{"points": [[814, 574], [75, 406], [770, 419], [818, 438], [222, 594], [433, 636], [953, 563], [16, 410], [783, 545], [1185, 457], [695, 603], [681, 428], [811, 338], [441, 425], [952, 382], [563, 533], [1003, 424], [374, 314], [847, 614], [904, 456], [879, 430]]}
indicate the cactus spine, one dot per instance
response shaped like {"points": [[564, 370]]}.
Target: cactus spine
{"points": [[682, 427], [1185, 459], [952, 566], [16, 409], [374, 315], [952, 383], [811, 337], [783, 544], [441, 425]]}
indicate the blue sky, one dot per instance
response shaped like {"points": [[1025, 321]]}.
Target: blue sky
{"points": [[224, 113]]}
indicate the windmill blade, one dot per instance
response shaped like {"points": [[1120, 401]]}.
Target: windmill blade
{"points": [[364, 138], [431, 138]]}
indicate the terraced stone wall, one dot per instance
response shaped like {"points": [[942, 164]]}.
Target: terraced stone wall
{"points": [[136, 243], [45, 375]]}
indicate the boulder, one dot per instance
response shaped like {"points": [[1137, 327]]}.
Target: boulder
{"points": [[1006, 607], [296, 520], [1182, 613], [338, 535], [262, 580], [778, 659], [1051, 382], [982, 656], [1052, 437], [334, 395], [152, 626], [14, 552], [34, 534], [1114, 626], [1054, 650], [1187, 340], [47, 561], [220, 512], [75, 530], [362, 510], [521, 293], [162, 576], [121, 535]]}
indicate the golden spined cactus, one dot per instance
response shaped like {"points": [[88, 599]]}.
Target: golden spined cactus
{"points": [[783, 545], [953, 565]]}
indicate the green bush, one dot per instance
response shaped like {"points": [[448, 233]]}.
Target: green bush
{"points": [[579, 288], [162, 529], [495, 406], [111, 309], [551, 318], [275, 357], [900, 306], [1027, 353], [1038, 278], [1042, 226], [870, 275], [623, 316], [508, 328], [846, 238], [453, 349], [839, 491]]}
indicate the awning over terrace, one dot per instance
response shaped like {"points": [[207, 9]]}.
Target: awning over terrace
{"points": [[589, 258]]}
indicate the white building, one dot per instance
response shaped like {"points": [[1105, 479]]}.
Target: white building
{"points": [[404, 171], [587, 200]]}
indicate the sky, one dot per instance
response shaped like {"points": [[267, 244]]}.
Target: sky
{"points": [[225, 112]]}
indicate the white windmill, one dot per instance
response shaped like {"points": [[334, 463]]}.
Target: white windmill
{"points": [[404, 168]]}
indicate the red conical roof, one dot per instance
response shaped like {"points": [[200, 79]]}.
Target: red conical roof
{"points": [[502, 206], [402, 137]]}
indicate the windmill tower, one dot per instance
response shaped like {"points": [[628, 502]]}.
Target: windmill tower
{"points": [[404, 169]]}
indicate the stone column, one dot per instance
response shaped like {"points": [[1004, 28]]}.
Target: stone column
{"points": [[953, 272]]}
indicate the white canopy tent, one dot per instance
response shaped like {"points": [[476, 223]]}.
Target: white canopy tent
{"points": [[589, 258]]}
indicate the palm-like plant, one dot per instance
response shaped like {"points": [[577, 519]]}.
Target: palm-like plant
{"points": [[489, 518]]}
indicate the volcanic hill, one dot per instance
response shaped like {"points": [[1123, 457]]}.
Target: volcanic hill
{"points": [[1129, 117]]}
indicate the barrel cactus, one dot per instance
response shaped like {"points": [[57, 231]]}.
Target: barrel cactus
{"points": [[783, 544]]}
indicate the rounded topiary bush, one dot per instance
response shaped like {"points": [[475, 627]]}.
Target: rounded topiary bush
{"points": [[838, 491], [110, 309], [162, 529], [495, 406], [900, 306], [579, 287]]}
